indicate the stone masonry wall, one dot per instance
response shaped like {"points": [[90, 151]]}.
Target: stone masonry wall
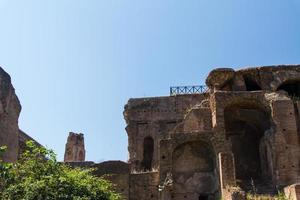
{"points": [[155, 118], [249, 120], [144, 186]]}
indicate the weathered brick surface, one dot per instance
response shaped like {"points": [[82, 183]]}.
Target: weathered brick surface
{"points": [[144, 186], [250, 123], [154, 117], [9, 114], [227, 171], [75, 151]]}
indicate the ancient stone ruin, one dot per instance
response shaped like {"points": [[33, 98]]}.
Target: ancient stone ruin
{"points": [[75, 151], [10, 134], [241, 133]]}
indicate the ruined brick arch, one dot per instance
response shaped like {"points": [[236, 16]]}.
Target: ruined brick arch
{"points": [[194, 170], [148, 150], [291, 86], [245, 125], [282, 78]]}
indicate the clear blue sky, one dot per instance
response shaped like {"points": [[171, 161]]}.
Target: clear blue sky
{"points": [[75, 63]]}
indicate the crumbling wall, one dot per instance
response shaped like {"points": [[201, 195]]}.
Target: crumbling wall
{"points": [[241, 121], [274, 91], [193, 170], [250, 121], [144, 186], [245, 125], [118, 173], [267, 78], [75, 151], [190, 158], [10, 109], [153, 118], [286, 142]]}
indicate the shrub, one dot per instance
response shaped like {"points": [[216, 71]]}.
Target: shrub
{"points": [[38, 176]]}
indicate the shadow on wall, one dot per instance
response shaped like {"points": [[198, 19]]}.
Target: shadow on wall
{"points": [[194, 171], [292, 88], [148, 153], [245, 125]]}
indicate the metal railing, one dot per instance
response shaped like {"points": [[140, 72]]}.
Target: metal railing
{"points": [[179, 90]]}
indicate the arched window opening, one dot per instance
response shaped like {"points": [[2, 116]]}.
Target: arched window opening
{"points": [[292, 88], [245, 126], [148, 153], [251, 85]]}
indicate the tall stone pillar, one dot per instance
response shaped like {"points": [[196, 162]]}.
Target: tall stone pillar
{"points": [[75, 151], [227, 170], [286, 142], [227, 177]]}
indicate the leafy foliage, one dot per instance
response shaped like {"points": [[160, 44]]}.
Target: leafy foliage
{"points": [[38, 176]]}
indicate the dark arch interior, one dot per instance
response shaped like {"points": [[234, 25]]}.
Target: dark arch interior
{"points": [[148, 153], [292, 88], [203, 197], [251, 85], [245, 126]]}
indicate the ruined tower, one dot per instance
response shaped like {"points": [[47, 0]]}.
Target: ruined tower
{"points": [[75, 151]]}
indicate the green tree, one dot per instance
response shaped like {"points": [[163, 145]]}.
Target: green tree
{"points": [[38, 176]]}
